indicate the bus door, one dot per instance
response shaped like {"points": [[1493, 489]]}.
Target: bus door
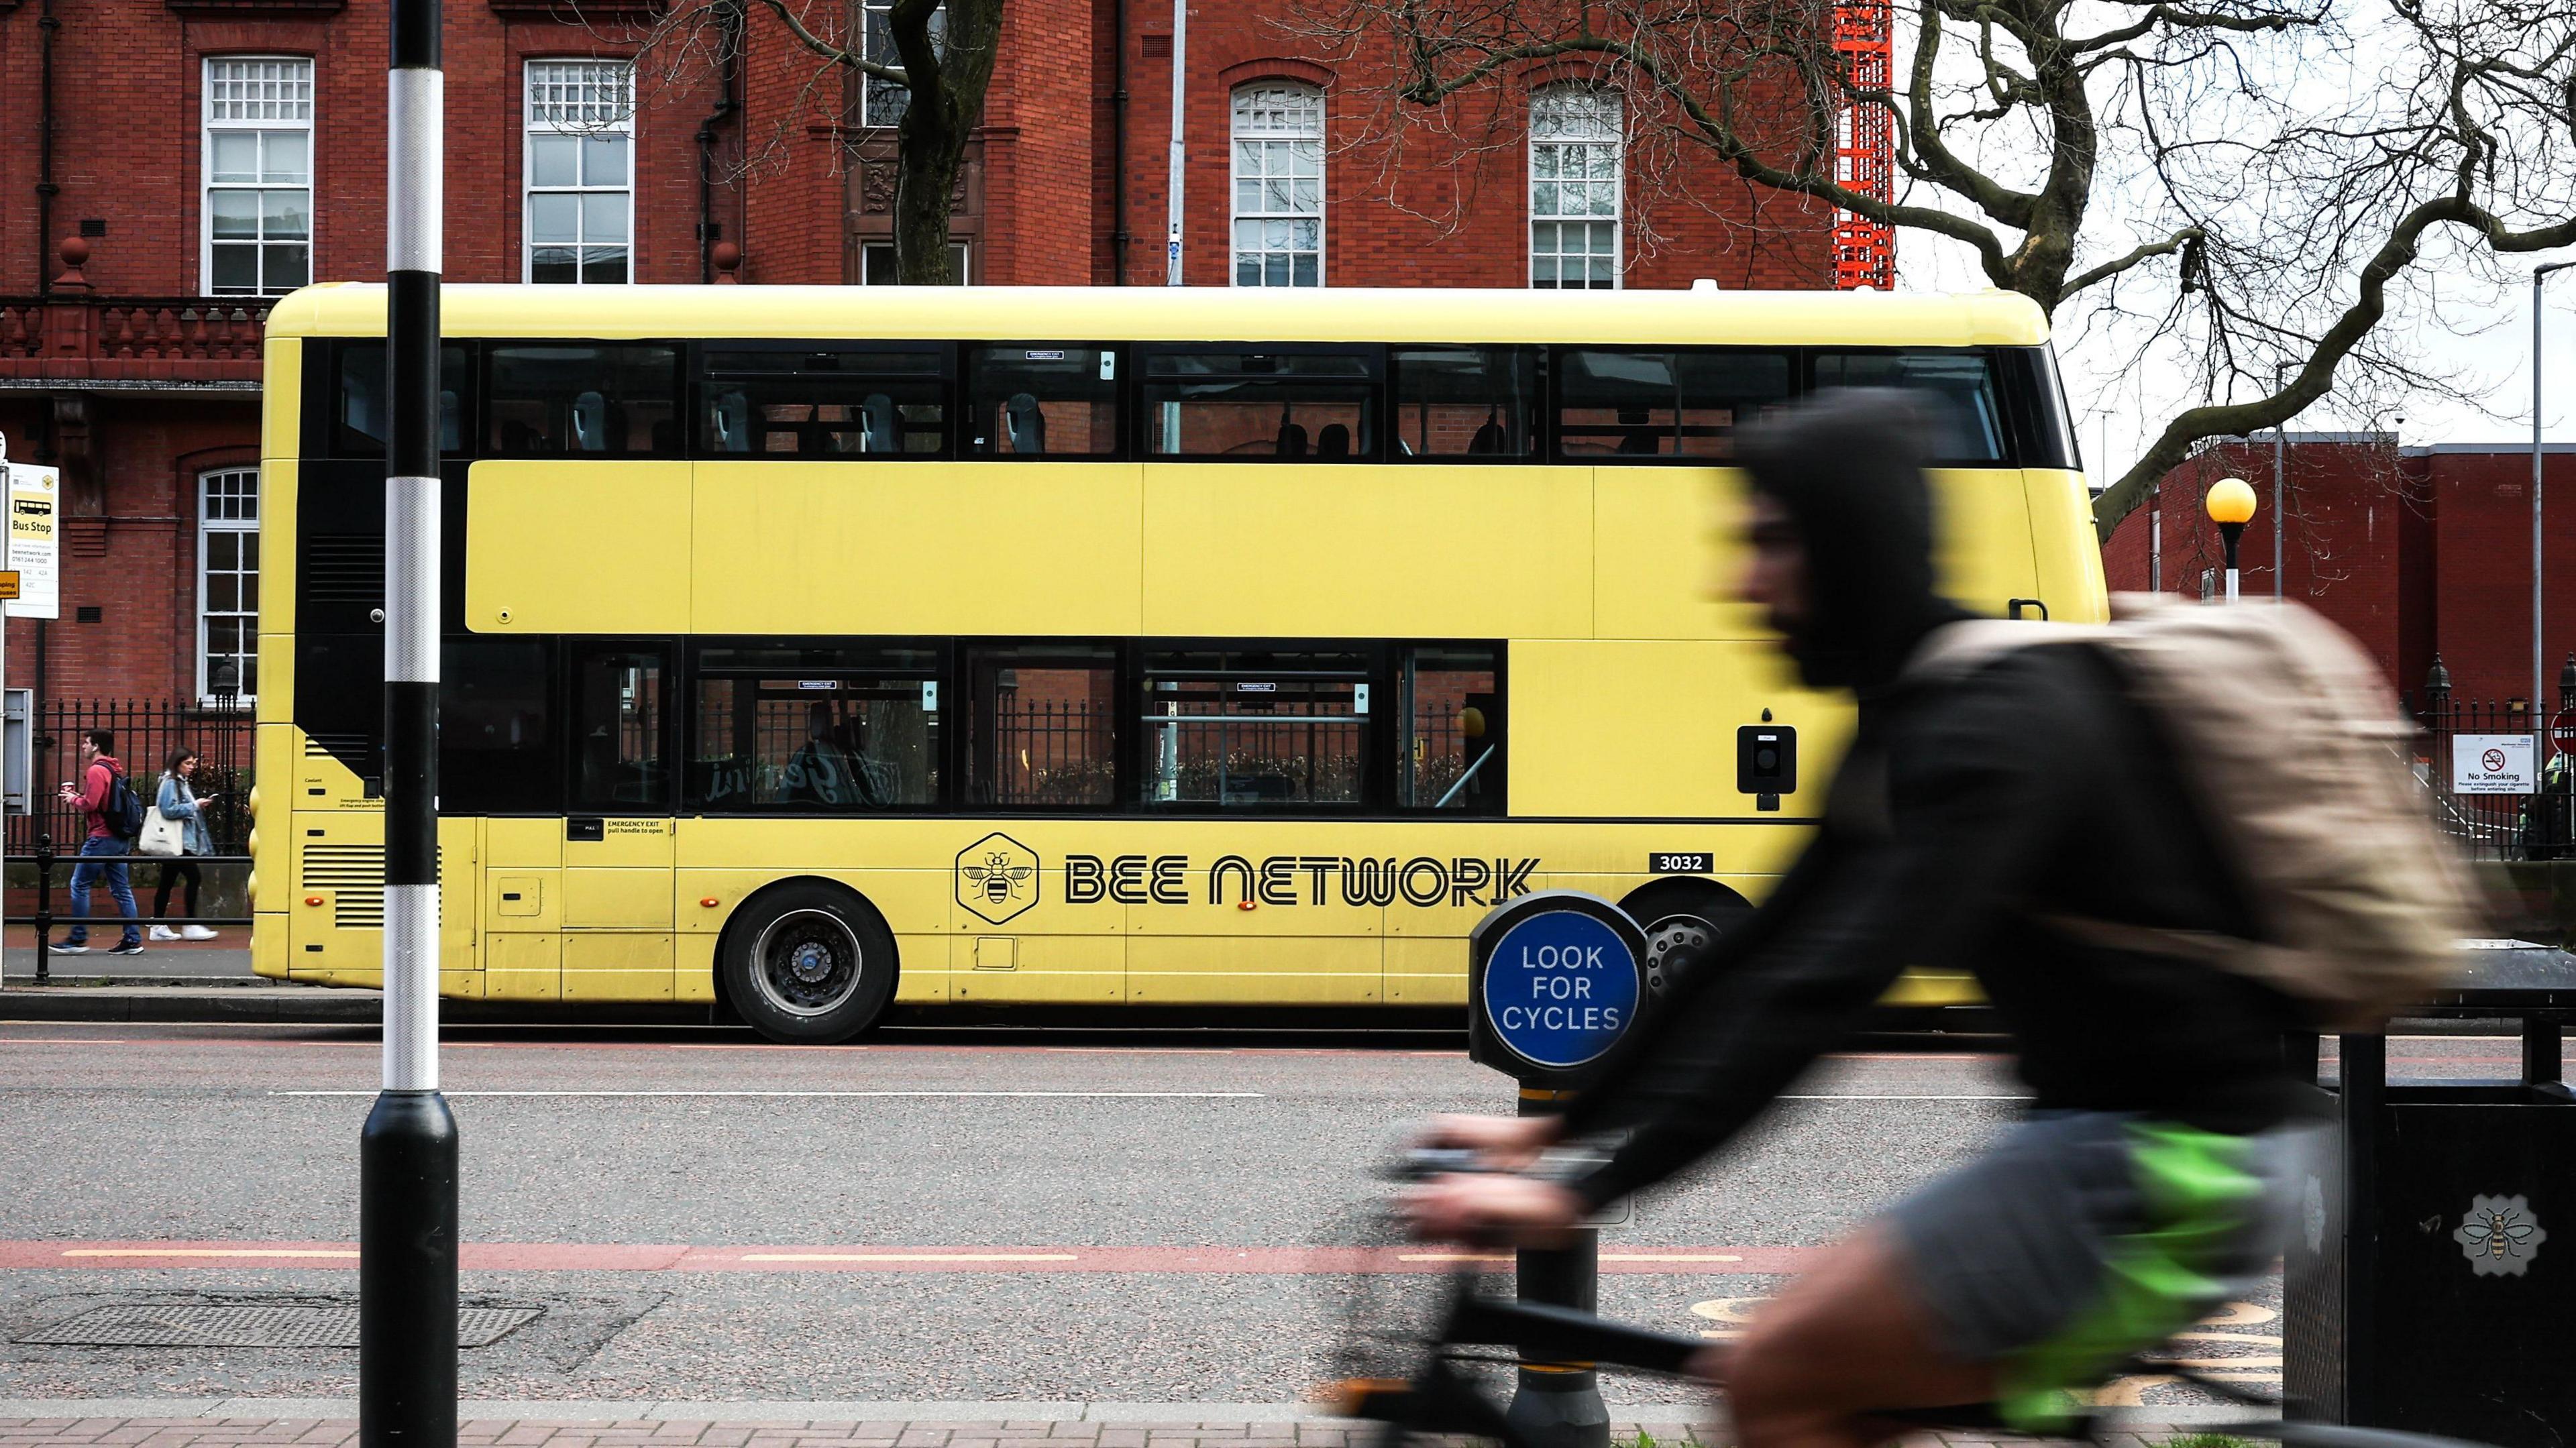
{"points": [[617, 826]]}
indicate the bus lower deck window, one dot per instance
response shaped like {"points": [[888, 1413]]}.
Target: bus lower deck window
{"points": [[1042, 724], [617, 710], [1254, 728], [1450, 703], [841, 744]]}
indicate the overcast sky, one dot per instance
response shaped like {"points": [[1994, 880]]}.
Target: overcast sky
{"points": [[2482, 340]]}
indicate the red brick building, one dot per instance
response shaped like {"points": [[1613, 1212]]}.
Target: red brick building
{"points": [[2415, 550], [172, 163]]}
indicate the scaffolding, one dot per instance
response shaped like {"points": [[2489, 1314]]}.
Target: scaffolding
{"points": [[1864, 146]]}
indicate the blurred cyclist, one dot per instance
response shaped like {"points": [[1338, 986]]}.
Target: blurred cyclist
{"points": [[1977, 821]]}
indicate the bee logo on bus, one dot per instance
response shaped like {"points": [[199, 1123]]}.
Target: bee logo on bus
{"points": [[997, 877]]}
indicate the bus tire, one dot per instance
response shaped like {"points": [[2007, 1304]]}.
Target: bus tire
{"points": [[808, 963], [1683, 917]]}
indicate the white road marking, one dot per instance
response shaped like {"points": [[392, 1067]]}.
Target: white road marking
{"points": [[1864, 1096], [766, 1095], [206, 1252], [907, 1257]]}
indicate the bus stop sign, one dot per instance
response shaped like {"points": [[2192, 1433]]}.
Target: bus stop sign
{"points": [[1554, 980]]}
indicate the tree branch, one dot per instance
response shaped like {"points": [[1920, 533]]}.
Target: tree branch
{"points": [[2400, 251], [2109, 269], [827, 50]]}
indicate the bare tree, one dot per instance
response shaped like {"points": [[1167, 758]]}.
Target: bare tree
{"points": [[2259, 173], [938, 53]]}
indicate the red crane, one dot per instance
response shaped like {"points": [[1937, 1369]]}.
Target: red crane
{"points": [[1864, 146]]}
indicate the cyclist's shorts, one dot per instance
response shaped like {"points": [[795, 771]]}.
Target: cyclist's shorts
{"points": [[2082, 1238]]}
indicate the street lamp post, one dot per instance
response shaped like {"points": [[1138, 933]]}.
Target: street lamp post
{"points": [[407, 1154], [2279, 569], [2231, 507], [2539, 726]]}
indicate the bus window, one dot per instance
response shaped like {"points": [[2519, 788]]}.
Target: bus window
{"points": [[1256, 728], [1042, 402], [617, 748], [358, 408], [1464, 401], [1958, 387], [1450, 703], [818, 730], [1042, 727], [1310, 406], [839, 403], [1668, 404], [582, 400], [496, 747]]}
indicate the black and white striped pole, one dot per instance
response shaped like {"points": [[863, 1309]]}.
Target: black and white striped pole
{"points": [[407, 1158]]}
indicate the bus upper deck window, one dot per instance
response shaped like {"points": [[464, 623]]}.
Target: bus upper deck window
{"points": [[584, 401], [1024, 401], [1957, 385], [359, 408], [1663, 403], [1240, 403], [830, 403], [1464, 401]]}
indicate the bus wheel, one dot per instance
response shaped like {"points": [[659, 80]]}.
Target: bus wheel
{"points": [[1682, 916], [809, 962]]}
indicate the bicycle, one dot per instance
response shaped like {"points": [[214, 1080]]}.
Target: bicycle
{"points": [[1438, 1395]]}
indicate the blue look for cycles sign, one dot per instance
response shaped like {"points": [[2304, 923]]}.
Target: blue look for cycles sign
{"points": [[1557, 982]]}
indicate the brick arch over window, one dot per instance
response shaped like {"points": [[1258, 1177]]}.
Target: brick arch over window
{"points": [[1275, 68], [1555, 70]]}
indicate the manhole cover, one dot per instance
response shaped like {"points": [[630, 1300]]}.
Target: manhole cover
{"points": [[211, 1325]]}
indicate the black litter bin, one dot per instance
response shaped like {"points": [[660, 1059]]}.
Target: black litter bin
{"points": [[2428, 1293]]}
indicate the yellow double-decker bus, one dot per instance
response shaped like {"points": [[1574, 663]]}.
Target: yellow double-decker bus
{"points": [[814, 650]]}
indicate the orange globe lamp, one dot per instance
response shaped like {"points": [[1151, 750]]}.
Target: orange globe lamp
{"points": [[2231, 507]]}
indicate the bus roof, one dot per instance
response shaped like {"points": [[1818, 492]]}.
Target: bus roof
{"points": [[1196, 314]]}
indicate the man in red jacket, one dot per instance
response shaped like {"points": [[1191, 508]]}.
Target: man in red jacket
{"points": [[98, 776]]}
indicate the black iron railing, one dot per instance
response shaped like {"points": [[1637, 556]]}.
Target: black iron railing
{"points": [[146, 731], [2540, 825]]}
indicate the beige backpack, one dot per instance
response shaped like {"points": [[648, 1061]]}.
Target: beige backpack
{"points": [[2296, 753]]}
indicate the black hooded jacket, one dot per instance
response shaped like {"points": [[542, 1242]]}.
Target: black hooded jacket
{"points": [[1966, 813]]}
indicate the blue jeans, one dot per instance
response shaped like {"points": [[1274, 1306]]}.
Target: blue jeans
{"points": [[86, 871]]}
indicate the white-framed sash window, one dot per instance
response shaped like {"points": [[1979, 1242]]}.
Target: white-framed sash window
{"points": [[257, 156], [1278, 185], [1577, 151], [882, 102], [580, 218], [228, 583]]}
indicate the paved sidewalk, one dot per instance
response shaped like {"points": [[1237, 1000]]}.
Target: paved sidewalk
{"points": [[327, 1423]]}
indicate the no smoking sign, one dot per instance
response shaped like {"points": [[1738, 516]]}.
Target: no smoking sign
{"points": [[2492, 764]]}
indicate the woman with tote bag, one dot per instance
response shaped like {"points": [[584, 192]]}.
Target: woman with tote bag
{"points": [[176, 829]]}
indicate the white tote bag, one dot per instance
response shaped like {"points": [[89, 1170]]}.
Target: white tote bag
{"points": [[161, 835]]}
